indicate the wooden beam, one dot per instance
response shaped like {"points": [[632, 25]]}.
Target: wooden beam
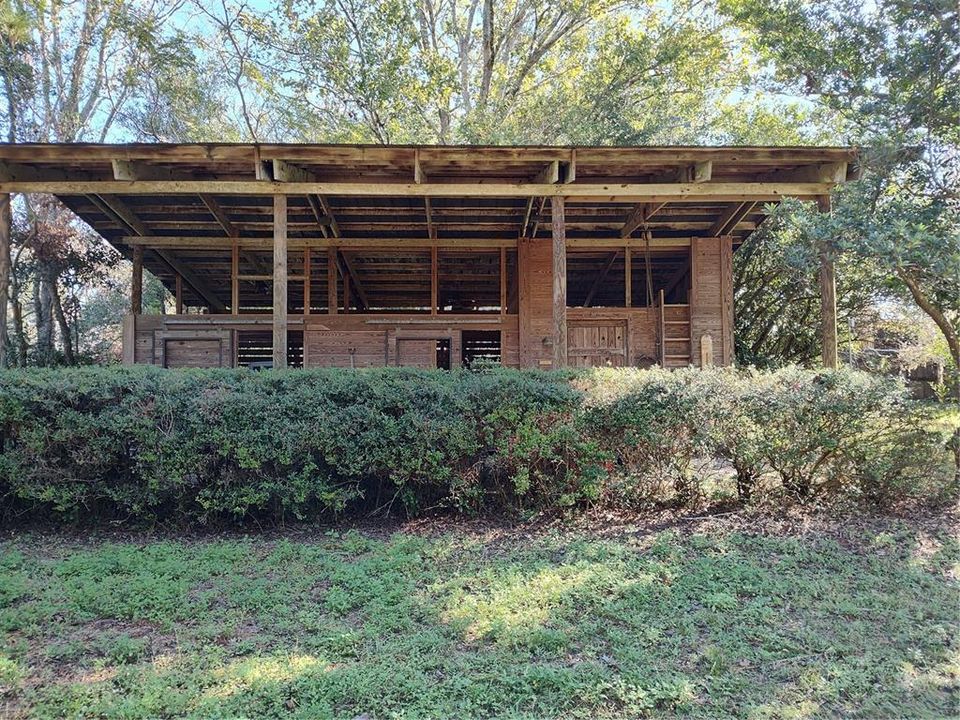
{"points": [[136, 282], [332, 299], [601, 276], [559, 282], [345, 267], [828, 299], [431, 229], [221, 217], [418, 174], [550, 174], [346, 292], [729, 219], [280, 281], [116, 209], [601, 192], [638, 216]]}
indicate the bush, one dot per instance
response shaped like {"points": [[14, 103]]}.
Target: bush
{"points": [[195, 445]]}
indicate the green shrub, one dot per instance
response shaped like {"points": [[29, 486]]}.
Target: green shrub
{"points": [[146, 443]]}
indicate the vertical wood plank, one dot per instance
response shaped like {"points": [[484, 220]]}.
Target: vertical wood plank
{"points": [[307, 276], [434, 280], [828, 309], [332, 281], [178, 295], [279, 281], [628, 277], [559, 281], [5, 267], [235, 279], [503, 281], [346, 293], [726, 300], [136, 281]]}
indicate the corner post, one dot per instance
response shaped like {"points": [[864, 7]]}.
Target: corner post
{"points": [[559, 282], [136, 282], [279, 281], [828, 299], [5, 263]]}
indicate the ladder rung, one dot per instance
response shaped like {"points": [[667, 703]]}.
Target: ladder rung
{"points": [[676, 322]]}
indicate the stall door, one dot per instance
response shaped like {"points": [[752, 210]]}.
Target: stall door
{"points": [[597, 343], [417, 353]]}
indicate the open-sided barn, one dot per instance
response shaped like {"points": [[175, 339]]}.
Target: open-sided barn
{"points": [[335, 255]]}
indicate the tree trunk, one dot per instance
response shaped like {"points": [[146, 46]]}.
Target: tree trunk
{"points": [[43, 312], [65, 336], [935, 313]]}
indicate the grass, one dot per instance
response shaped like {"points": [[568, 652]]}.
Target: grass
{"points": [[700, 619]]}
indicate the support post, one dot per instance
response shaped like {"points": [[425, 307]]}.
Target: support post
{"points": [[559, 282], [627, 277], [5, 264], [828, 309], [178, 295], [346, 293], [307, 275], [828, 299], [136, 283], [503, 281], [235, 279], [332, 300], [279, 281], [434, 280]]}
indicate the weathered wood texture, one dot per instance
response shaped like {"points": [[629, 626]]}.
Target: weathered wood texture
{"points": [[711, 300], [535, 264], [279, 281], [828, 310]]}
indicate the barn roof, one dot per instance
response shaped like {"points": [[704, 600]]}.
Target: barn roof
{"points": [[189, 204]]}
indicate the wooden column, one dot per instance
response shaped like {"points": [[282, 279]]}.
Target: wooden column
{"points": [[828, 298], [136, 283], [559, 282], [346, 293], [503, 281], [627, 277], [332, 300], [5, 266], [235, 279], [178, 295], [434, 280], [828, 309], [279, 281], [307, 274]]}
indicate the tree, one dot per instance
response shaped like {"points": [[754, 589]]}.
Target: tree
{"points": [[890, 73]]}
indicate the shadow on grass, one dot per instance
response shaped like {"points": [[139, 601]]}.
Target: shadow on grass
{"points": [[703, 624]]}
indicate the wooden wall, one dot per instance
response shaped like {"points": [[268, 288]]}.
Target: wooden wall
{"points": [[535, 264], [711, 297], [148, 340]]}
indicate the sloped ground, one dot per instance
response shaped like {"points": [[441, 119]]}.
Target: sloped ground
{"points": [[730, 616]]}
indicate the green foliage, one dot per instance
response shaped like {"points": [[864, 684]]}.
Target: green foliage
{"points": [[197, 445], [855, 619]]}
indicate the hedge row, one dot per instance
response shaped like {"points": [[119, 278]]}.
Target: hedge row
{"points": [[195, 445]]}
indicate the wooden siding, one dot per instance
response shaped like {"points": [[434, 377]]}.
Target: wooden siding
{"points": [[711, 297]]}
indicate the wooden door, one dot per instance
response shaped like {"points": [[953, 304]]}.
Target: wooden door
{"points": [[597, 343], [198, 353], [417, 353]]}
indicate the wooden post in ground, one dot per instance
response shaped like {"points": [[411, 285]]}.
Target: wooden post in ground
{"points": [[828, 299], [332, 299], [5, 263], [279, 281], [559, 282], [136, 282], [235, 279], [307, 275], [178, 296]]}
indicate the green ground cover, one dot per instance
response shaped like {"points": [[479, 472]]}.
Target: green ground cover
{"points": [[734, 616]]}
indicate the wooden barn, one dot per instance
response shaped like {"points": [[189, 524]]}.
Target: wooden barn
{"points": [[360, 256]]}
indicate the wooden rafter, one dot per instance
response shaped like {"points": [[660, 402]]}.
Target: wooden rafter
{"points": [[601, 276], [116, 209], [639, 215], [729, 219]]}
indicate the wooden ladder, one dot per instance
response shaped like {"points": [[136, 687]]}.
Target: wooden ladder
{"points": [[675, 337]]}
